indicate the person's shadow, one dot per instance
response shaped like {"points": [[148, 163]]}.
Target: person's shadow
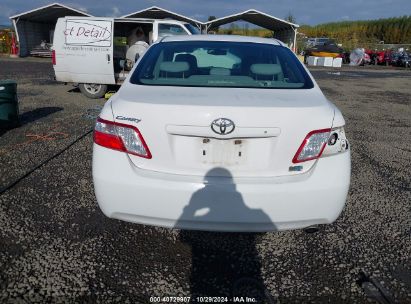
{"points": [[224, 264]]}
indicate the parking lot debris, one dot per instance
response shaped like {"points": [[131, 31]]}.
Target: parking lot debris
{"points": [[94, 112], [332, 73], [109, 94], [15, 182], [50, 134]]}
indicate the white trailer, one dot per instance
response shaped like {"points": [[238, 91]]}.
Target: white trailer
{"points": [[91, 51]]}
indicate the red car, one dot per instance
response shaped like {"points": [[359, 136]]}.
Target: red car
{"points": [[376, 57]]}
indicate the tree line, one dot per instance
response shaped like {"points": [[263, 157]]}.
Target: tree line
{"points": [[395, 30], [351, 34]]}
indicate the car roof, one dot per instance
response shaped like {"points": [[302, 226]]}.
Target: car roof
{"points": [[226, 38]]}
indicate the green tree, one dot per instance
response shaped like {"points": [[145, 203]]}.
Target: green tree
{"points": [[211, 18], [290, 18], [246, 29]]}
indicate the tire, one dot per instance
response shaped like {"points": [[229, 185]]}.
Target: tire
{"points": [[93, 90]]}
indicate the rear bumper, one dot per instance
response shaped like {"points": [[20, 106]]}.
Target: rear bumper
{"points": [[128, 193]]}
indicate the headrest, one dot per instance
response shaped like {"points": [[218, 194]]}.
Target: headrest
{"points": [[174, 66], [191, 59], [220, 71], [266, 69]]}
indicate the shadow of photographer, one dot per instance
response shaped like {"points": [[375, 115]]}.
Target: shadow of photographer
{"points": [[224, 263]]}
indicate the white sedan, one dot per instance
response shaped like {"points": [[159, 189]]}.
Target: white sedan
{"points": [[221, 133]]}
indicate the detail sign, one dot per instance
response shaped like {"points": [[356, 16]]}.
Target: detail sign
{"points": [[88, 32]]}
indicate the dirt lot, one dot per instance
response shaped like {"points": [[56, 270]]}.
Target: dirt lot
{"points": [[57, 246]]}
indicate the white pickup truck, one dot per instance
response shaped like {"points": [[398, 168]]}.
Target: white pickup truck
{"points": [[92, 51]]}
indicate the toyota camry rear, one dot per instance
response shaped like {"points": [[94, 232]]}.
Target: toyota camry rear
{"points": [[221, 133]]}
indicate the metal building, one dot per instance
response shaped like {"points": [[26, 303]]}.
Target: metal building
{"points": [[283, 30], [38, 25], [155, 12]]}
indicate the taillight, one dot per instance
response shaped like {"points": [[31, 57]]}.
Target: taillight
{"points": [[312, 146], [120, 137], [53, 57]]}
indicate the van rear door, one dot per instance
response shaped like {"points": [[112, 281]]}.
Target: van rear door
{"points": [[88, 49]]}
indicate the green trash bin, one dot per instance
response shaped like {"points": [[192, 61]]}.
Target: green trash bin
{"points": [[9, 107]]}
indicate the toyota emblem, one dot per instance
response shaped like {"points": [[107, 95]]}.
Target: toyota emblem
{"points": [[222, 126]]}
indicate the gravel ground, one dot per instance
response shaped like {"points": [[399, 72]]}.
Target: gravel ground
{"points": [[57, 246]]}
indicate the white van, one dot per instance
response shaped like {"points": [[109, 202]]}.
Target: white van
{"points": [[92, 51]]}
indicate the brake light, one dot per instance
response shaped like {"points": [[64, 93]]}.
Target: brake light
{"points": [[53, 57], [120, 137], [312, 146]]}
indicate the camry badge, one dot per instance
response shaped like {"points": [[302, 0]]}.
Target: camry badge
{"points": [[222, 126], [136, 120]]}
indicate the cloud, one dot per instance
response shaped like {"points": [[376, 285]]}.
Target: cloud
{"points": [[76, 6], [6, 12], [198, 16], [115, 12]]}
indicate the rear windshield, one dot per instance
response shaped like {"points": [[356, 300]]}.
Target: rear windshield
{"points": [[221, 64]]}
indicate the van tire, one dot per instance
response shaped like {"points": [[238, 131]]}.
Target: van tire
{"points": [[93, 90]]}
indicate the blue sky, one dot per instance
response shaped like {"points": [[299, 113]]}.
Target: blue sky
{"points": [[306, 12]]}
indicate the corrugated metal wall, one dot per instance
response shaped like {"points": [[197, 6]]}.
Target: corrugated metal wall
{"points": [[31, 34]]}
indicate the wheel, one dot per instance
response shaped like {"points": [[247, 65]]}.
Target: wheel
{"points": [[93, 90]]}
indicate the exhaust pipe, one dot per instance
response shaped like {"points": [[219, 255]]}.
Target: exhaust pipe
{"points": [[311, 229]]}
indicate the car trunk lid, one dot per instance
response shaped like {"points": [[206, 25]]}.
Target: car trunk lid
{"points": [[177, 125]]}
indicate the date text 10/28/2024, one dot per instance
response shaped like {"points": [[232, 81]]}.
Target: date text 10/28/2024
{"points": [[170, 299]]}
